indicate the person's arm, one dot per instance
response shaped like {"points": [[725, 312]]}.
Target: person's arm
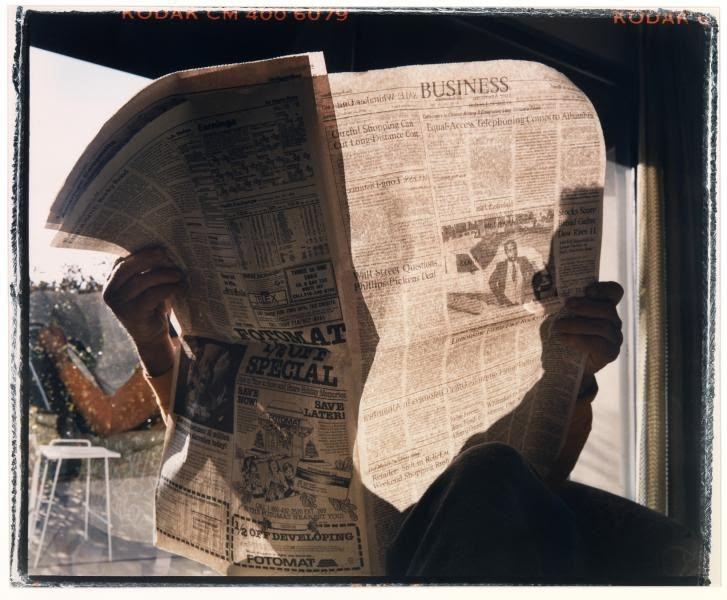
{"points": [[162, 386], [592, 327], [131, 404], [139, 291], [579, 429]]}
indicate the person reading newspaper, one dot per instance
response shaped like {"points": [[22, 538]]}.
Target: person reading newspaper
{"points": [[338, 237], [534, 527]]}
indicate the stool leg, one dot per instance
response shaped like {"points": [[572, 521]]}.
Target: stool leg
{"points": [[39, 493], [88, 487], [34, 480], [48, 511], [108, 505]]}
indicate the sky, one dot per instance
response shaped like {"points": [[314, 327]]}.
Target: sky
{"points": [[70, 100]]}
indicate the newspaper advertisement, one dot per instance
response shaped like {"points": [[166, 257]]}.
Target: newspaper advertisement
{"points": [[374, 263], [261, 462]]}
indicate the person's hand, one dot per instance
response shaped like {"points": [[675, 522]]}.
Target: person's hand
{"points": [[592, 325], [139, 291], [52, 339]]}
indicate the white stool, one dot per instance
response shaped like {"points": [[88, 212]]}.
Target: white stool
{"points": [[60, 450]]}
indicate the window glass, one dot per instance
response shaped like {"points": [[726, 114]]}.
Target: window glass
{"points": [[69, 101]]}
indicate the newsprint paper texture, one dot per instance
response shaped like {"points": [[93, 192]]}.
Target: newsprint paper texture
{"points": [[374, 261]]}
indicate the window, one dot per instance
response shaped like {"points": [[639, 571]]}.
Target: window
{"points": [[83, 66]]}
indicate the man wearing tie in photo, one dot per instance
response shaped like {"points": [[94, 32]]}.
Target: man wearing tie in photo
{"points": [[511, 281]]}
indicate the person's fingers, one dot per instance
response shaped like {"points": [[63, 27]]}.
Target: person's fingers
{"points": [[133, 264], [141, 282], [591, 328], [148, 300], [605, 290], [595, 309]]}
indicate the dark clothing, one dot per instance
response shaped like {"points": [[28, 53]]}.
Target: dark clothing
{"points": [[497, 280], [490, 517]]}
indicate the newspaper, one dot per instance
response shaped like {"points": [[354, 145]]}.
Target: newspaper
{"points": [[375, 263]]}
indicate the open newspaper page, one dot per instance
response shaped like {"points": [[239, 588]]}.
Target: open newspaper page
{"points": [[257, 473], [474, 192]]}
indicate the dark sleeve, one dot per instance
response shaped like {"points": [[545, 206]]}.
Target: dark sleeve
{"points": [[496, 281]]}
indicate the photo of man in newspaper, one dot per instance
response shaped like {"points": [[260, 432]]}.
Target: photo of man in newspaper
{"points": [[512, 278], [504, 262]]}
